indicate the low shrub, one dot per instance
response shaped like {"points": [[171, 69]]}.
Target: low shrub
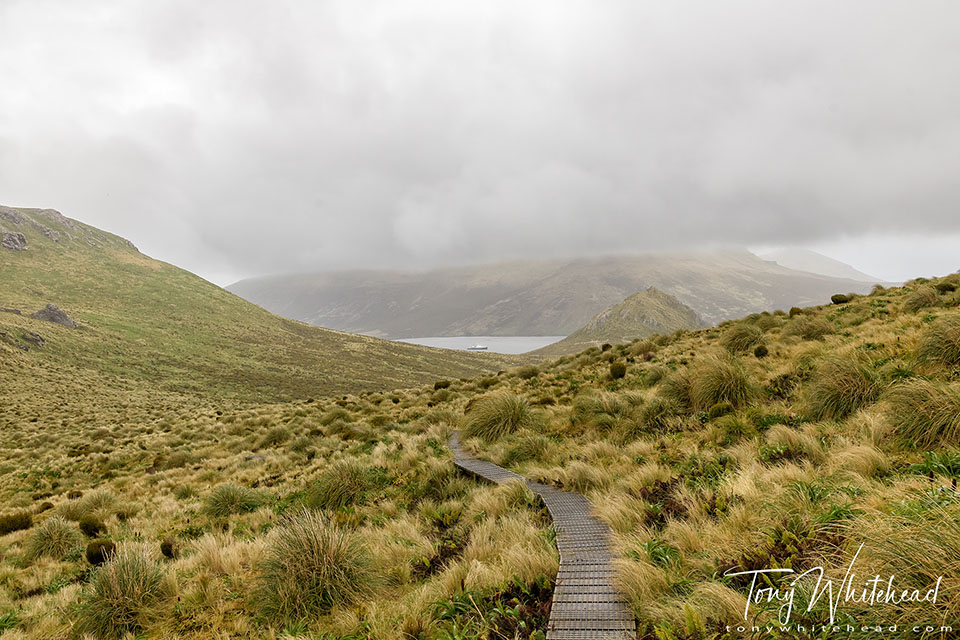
{"points": [[90, 525], [310, 566], [15, 522], [228, 498], [761, 351], [841, 386], [617, 370], [99, 551], [841, 298], [168, 548], [926, 414], [718, 410], [497, 415], [125, 595], [53, 538]]}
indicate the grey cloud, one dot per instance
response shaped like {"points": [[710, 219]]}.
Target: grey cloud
{"points": [[238, 138]]}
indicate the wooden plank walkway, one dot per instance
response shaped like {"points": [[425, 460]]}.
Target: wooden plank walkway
{"points": [[586, 604]]}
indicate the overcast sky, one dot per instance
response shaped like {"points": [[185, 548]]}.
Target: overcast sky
{"points": [[238, 138]]}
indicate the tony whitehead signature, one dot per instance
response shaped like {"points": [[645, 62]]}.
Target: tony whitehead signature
{"points": [[876, 590]]}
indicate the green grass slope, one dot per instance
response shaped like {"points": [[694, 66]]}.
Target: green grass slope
{"points": [[148, 321], [639, 316]]}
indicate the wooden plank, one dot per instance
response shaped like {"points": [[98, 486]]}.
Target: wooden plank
{"points": [[586, 603]]}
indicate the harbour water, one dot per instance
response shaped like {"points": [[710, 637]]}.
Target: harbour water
{"points": [[495, 344]]}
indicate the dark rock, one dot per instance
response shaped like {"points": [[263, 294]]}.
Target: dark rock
{"points": [[34, 338], [53, 314], [13, 240], [5, 310]]}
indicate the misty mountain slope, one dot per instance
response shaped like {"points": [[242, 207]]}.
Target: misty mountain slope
{"points": [[535, 298], [642, 314], [806, 260], [144, 320]]}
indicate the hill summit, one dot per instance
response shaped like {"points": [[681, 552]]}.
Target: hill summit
{"points": [[638, 316]]}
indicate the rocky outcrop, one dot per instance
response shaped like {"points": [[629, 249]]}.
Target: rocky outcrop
{"points": [[13, 240], [11, 215], [51, 313]]}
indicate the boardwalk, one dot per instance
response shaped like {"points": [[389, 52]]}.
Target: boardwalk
{"points": [[586, 606]]}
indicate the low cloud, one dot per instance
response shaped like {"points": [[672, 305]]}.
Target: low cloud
{"points": [[239, 138]]}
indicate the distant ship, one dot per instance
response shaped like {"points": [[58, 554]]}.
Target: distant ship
{"points": [[477, 347]]}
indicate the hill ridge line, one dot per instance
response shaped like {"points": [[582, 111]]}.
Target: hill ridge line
{"points": [[586, 603]]}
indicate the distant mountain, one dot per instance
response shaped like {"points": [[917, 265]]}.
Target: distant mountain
{"points": [[145, 322], [806, 260], [554, 297], [642, 314]]}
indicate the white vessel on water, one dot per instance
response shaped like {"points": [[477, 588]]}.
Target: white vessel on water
{"points": [[477, 347]]}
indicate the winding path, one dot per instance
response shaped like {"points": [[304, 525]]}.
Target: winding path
{"points": [[586, 605]]}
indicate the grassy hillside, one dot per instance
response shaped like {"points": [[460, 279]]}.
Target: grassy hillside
{"points": [[149, 322], [547, 298], [639, 316], [779, 440]]}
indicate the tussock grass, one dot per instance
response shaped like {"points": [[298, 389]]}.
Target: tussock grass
{"points": [[125, 595], [228, 498], [497, 415], [688, 488], [808, 328], [841, 386], [740, 337], [604, 411], [940, 342], [926, 414], [920, 298], [345, 483], [675, 390], [53, 538], [918, 548], [527, 372], [310, 566], [719, 379]]}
